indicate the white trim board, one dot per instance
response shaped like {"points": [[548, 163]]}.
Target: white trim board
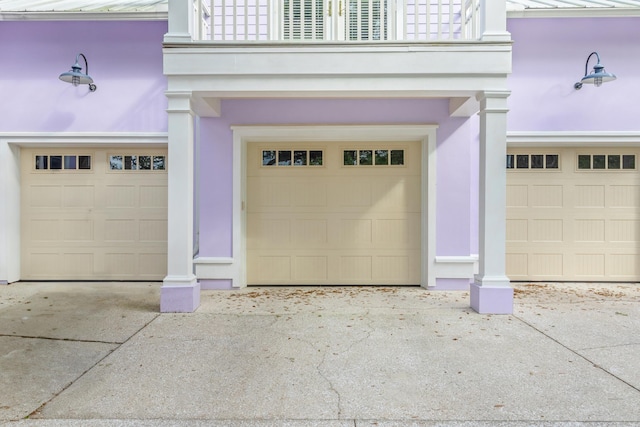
{"points": [[456, 267], [573, 139], [220, 268]]}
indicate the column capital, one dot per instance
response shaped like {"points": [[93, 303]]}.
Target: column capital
{"points": [[493, 101], [493, 94], [179, 102]]}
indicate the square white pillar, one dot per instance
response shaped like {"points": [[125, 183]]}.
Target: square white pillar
{"points": [[491, 292], [180, 290]]}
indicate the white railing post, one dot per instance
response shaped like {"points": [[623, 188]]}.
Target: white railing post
{"points": [[180, 21], [493, 21]]}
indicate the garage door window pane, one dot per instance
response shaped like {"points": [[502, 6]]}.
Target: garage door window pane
{"points": [[382, 157], [315, 158], [599, 161], [130, 162], [397, 157], [84, 162], [350, 157], [144, 162], [268, 158], [300, 158], [115, 163], [69, 162], [511, 161], [284, 158], [55, 162], [628, 162], [537, 161], [366, 157], [523, 161], [158, 163], [552, 161], [584, 161], [613, 162], [42, 162]]}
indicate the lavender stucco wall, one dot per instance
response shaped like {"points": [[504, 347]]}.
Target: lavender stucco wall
{"points": [[549, 56], [125, 61], [454, 138]]}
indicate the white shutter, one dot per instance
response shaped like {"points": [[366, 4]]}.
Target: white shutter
{"points": [[367, 20], [303, 19]]}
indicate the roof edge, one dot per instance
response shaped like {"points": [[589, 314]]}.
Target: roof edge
{"points": [[83, 16]]}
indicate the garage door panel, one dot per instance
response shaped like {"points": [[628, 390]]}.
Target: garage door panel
{"points": [[547, 264], [77, 230], [624, 196], [549, 196], [311, 269], [624, 265], [120, 196], [589, 196], [92, 224], [573, 224], [44, 196], [589, 230], [624, 230], [517, 196], [153, 230]]}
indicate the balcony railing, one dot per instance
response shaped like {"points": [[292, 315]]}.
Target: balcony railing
{"points": [[336, 20]]}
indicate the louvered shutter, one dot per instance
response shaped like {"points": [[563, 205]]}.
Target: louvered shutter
{"points": [[303, 20], [367, 20]]}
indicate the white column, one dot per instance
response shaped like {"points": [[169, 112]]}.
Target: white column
{"points": [[180, 22], [493, 21], [180, 291], [9, 213], [491, 291]]}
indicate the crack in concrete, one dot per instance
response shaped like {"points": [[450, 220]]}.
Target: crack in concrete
{"points": [[38, 410], [318, 366], [62, 339], [609, 346], [577, 353]]}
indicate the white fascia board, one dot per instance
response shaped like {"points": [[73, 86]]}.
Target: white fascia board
{"points": [[83, 16], [573, 139], [53, 139], [577, 12]]}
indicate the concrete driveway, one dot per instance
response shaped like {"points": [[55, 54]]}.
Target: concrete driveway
{"points": [[101, 354]]}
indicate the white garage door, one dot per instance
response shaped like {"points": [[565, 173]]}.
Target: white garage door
{"points": [[573, 214], [92, 214], [333, 213]]}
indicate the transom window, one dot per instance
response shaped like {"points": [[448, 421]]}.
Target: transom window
{"points": [[606, 161], [382, 157], [533, 161], [118, 162], [62, 162], [292, 157]]}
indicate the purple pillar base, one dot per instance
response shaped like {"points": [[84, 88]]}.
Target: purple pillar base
{"points": [[179, 298], [491, 298]]}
